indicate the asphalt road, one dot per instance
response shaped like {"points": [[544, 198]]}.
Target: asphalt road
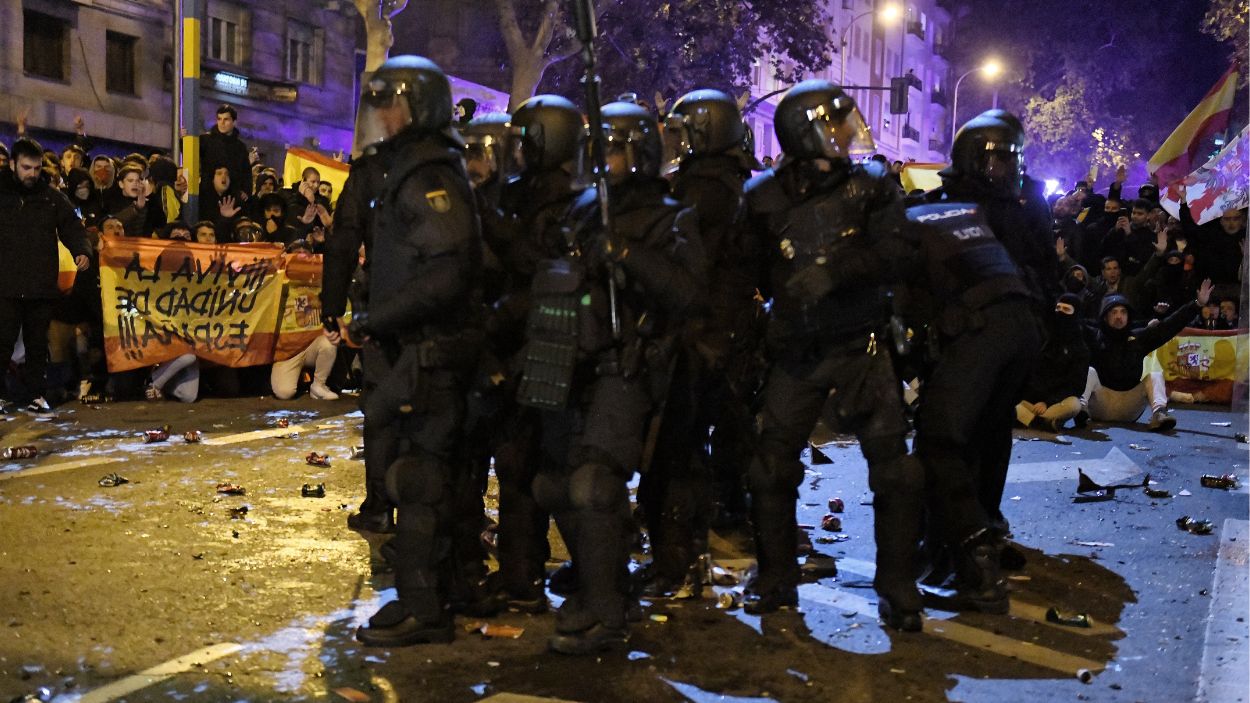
{"points": [[152, 591]]}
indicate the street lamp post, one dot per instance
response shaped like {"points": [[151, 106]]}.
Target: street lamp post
{"points": [[888, 14], [990, 69]]}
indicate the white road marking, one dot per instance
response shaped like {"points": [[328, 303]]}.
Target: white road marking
{"points": [[1224, 675], [1113, 468], [157, 674], [61, 466], [519, 698]]}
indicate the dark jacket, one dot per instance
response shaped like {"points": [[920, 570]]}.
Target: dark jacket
{"points": [[1063, 365], [217, 149], [353, 226], [31, 222], [1117, 355]]}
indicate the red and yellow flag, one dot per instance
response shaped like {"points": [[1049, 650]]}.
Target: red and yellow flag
{"points": [[1175, 159]]}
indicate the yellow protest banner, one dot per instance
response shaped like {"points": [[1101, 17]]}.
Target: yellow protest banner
{"points": [[1202, 361], [163, 299]]}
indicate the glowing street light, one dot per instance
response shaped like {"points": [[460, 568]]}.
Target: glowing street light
{"points": [[990, 70], [887, 15]]}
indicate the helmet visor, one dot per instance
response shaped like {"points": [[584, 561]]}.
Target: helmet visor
{"points": [[487, 156], [840, 130], [677, 143], [384, 112], [1002, 165]]}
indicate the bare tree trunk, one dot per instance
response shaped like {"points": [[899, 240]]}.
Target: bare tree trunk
{"points": [[529, 59], [377, 15]]}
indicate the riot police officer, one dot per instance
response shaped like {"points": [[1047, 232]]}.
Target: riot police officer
{"points": [[986, 162], [823, 218], [601, 337], [534, 157], [427, 252], [715, 372]]}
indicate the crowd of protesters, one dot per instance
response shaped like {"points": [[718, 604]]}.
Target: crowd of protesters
{"points": [[78, 197]]}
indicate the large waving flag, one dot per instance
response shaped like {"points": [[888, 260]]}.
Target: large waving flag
{"points": [[1220, 185], [1175, 159]]}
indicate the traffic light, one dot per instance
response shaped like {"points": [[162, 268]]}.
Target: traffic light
{"points": [[898, 95]]}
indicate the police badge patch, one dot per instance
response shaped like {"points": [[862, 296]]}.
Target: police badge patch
{"points": [[438, 200]]}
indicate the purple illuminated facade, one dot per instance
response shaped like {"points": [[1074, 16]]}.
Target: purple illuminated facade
{"points": [[913, 45], [289, 66]]}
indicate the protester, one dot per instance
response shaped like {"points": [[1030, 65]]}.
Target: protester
{"points": [[222, 147], [318, 356]]}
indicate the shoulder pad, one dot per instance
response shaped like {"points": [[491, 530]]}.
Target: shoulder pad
{"points": [[764, 194]]}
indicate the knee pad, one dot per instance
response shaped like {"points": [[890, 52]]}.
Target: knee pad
{"points": [[596, 487], [769, 473], [551, 491], [417, 478]]}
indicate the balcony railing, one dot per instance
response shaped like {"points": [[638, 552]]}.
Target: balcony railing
{"points": [[941, 48], [916, 28], [911, 133], [937, 97], [937, 145]]}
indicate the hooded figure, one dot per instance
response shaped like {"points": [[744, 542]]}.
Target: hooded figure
{"points": [[1052, 395]]}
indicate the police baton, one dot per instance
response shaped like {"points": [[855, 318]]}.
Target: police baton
{"points": [[584, 26]]}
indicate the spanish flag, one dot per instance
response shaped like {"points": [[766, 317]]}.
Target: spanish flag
{"points": [[331, 170], [1175, 159]]}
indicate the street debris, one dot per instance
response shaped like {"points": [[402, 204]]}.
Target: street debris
{"points": [[1221, 424], [819, 458], [40, 695], [192, 436], [832, 539], [238, 513], [1081, 543], [111, 480], [24, 452], [231, 489], [724, 577], [1184, 492], [159, 434], [836, 505], [1090, 491], [1084, 675], [1194, 527], [831, 523], [1224, 482], [283, 422], [636, 655], [1240, 437], [1139, 447], [798, 675], [357, 452], [350, 694], [729, 600], [819, 566], [308, 490], [660, 618], [1157, 492], [315, 459], [1075, 620]]}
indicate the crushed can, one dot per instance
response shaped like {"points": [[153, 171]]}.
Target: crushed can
{"points": [[1224, 482], [24, 452], [1194, 527], [315, 459], [231, 489], [158, 435], [836, 505], [192, 436], [1075, 620], [308, 490], [729, 600], [283, 422], [358, 452], [831, 523]]}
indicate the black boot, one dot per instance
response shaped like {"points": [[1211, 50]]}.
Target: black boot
{"points": [[776, 585], [898, 507], [593, 640], [979, 585]]}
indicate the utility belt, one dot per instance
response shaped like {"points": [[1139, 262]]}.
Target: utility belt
{"points": [[458, 350]]}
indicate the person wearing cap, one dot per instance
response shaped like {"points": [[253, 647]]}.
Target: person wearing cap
{"points": [[1053, 393], [1115, 390]]}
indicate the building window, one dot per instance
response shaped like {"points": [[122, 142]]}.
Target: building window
{"points": [[119, 63], [223, 42], [45, 46], [303, 53]]}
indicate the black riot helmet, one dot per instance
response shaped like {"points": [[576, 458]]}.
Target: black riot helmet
{"points": [[702, 123], [989, 148], [488, 147], [632, 131], [816, 120], [406, 93], [549, 131]]}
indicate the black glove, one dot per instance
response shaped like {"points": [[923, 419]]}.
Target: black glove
{"points": [[330, 323], [811, 283], [358, 328]]}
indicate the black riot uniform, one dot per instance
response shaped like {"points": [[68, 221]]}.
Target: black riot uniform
{"points": [[981, 259], [601, 387], [703, 443], [427, 253], [823, 220], [521, 227], [353, 228]]}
